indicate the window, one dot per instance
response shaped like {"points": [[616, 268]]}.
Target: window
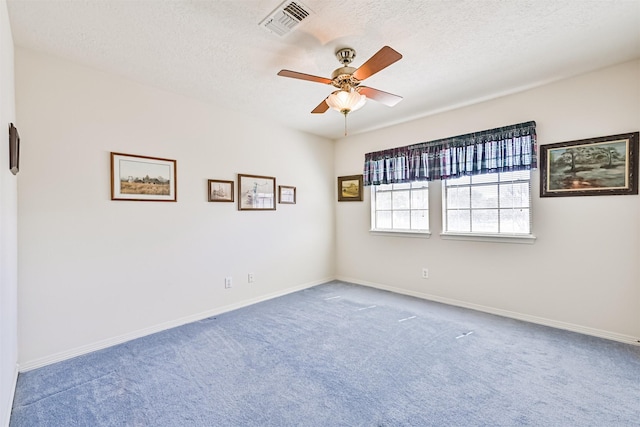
{"points": [[493, 203], [400, 207]]}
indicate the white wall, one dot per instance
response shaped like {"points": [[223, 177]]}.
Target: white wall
{"points": [[582, 273], [8, 226], [95, 271]]}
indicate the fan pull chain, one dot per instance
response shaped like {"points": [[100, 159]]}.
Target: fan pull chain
{"points": [[345, 124]]}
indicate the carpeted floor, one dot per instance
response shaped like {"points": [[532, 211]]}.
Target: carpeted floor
{"points": [[342, 355]]}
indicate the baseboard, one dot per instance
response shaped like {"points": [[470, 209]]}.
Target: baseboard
{"points": [[99, 345], [627, 339], [9, 404]]}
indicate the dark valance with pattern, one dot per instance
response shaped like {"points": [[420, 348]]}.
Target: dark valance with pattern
{"points": [[504, 149]]}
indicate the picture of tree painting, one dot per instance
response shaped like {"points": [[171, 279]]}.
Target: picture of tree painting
{"points": [[590, 166]]}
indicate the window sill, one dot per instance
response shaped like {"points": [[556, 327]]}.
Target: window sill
{"points": [[401, 233], [489, 237]]}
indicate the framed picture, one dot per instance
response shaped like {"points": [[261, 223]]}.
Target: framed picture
{"points": [[256, 193], [590, 167], [286, 194], [14, 149], [220, 191], [142, 178], [350, 188]]}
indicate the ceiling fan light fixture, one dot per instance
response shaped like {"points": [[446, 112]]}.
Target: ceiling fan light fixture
{"points": [[346, 101]]}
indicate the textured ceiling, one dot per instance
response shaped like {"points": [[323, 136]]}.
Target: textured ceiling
{"points": [[454, 52]]}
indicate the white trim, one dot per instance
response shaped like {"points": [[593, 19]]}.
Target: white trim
{"points": [[99, 345], [78, 351], [398, 233], [627, 339], [490, 237], [14, 384]]}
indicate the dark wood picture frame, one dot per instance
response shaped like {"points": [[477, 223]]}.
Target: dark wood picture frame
{"points": [[220, 190], [286, 194], [143, 178], [14, 149], [256, 193], [350, 188], [599, 166]]}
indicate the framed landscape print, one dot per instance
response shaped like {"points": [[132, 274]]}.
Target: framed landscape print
{"points": [[142, 178], [286, 194], [220, 191], [590, 167], [350, 188], [256, 193]]}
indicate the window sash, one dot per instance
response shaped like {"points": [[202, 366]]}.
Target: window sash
{"points": [[400, 207], [501, 215]]}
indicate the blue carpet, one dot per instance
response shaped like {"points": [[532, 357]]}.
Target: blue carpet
{"points": [[342, 355]]}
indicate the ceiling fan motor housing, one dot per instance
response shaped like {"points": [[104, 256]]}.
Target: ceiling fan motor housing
{"points": [[343, 76]]}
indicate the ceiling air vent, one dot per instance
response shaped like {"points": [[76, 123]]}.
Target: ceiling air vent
{"points": [[286, 17]]}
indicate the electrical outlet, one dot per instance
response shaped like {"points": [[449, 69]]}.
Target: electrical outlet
{"points": [[228, 282], [250, 278], [425, 273]]}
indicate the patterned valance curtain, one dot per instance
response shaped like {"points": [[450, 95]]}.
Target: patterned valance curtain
{"points": [[508, 148]]}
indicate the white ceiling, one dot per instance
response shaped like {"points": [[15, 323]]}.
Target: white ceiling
{"points": [[454, 52]]}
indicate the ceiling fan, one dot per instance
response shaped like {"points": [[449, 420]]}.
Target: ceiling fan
{"points": [[350, 96]]}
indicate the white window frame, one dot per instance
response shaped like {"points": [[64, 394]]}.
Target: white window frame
{"points": [[488, 236], [395, 231]]}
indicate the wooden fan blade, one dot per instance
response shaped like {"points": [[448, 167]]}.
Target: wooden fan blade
{"points": [[381, 60], [385, 98], [302, 76], [321, 108]]}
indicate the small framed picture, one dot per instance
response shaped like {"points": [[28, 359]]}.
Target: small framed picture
{"points": [[220, 191], [350, 188], [142, 178], [600, 166], [256, 193], [286, 194]]}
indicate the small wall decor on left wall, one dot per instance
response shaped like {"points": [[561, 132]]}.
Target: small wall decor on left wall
{"points": [[220, 190], [287, 194], [142, 178], [256, 193], [14, 149]]}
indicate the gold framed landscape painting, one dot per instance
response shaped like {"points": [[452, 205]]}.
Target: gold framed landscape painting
{"points": [[142, 178], [605, 165], [350, 188]]}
